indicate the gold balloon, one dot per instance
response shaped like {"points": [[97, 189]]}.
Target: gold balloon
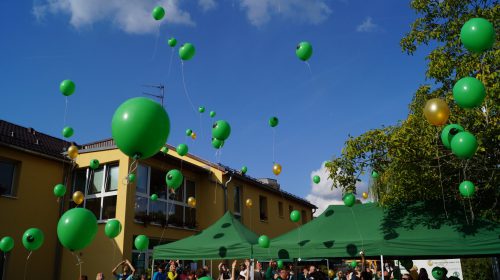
{"points": [[72, 152], [365, 195], [192, 202], [331, 273], [249, 203], [193, 135], [78, 197], [436, 111], [276, 169]]}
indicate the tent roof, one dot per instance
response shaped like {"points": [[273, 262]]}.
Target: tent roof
{"points": [[406, 230], [227, 238]]}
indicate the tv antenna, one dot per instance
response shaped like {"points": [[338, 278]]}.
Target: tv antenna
{"points": [[160, 96]]}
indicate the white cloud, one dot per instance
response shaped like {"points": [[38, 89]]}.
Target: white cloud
{"points": [[259, 12], [322, 194], [132, 16], [207, 5], [367, 25]]}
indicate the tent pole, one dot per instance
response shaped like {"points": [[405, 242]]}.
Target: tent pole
{"points": [[252, 269], [382, 265], [327, 265], [152, 267]]}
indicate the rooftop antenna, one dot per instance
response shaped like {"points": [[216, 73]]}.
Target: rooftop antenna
{"points": [[160, 96]]}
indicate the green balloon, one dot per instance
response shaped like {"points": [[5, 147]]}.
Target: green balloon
{"points": [[212, 114], [437, 273], [172, 42], [131, 177], [469, 92], [141, 242], [59, 190], [158, 13], [464, 145], [6, 244], [375, 174], [140, 127], [273, 121], [77, 228], [216, 143], [186, 51], [112, 228], [206, 278], [201, 109], [244, 170], [164, 150], [477, 35], [349, 200], [67, 132], [264, 241], [94, 164], [467, 189], [221, 130], [304, 51], [67, 87], [174, 179], [316, 179], [295, 216], [154, 197], [354, 264], [189, 132], [449, 132], [280, 264], [33, 239], [182, 149]]}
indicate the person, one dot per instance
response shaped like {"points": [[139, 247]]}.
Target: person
{"points": [[271, 270], [283, 275], [378, 275], [407, 276], [172, 273], [314, 274], [223, 271], [340, 276], [257, 273], [304, 274], [143, 277], [99, 276], [128, 271], [84, 277], [160, 274], [422, 275], [291, 273], [367, 274]]}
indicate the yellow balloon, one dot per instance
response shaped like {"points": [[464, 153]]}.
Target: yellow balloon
{"points": [[436, 111], [193, 135], [192, 202], [331, 273], [365, 195], [72, 152], [78, 197], [276, 169], [249, 203]]}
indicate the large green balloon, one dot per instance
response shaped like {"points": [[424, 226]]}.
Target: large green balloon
{"points": [[158, 13], [349, 200], [304, 51], [140, 127], [221, 130], [186, 51], [316, 179], [264, 241], [295, 216], [437, 273], [67, 132], [77, 228], [469, 92], [59, 190], [112, 228], [244, 170], [464, 145], [467, 189], [141, 242], [189, 132], [6, 244], [172, 42], [449, 132], [174, 179], [94, 164], [67, 87], [477, 35], [217, 143], [273, 121], [182, 149], [33, 239]]}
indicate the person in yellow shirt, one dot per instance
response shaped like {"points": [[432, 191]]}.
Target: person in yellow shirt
{"points": [[172, 273]]}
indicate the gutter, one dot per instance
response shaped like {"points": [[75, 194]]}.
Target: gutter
{"points": [[35, 153]]}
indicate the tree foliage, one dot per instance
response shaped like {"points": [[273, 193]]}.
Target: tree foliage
{"points": [[409, 156]]}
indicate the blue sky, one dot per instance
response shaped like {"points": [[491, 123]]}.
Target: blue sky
{"points": [[245, 69]]}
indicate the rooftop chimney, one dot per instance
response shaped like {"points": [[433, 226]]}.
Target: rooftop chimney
{"points": [[270, 182]]}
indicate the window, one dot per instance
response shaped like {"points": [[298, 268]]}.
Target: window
{"points": [[170, 208], [139, 258], [263, 208], [8, 170], [280, 209], [100, 188], [290, 209], [304, 217], [237, 202]]}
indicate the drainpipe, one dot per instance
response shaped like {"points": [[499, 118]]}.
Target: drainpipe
{"points": [[225, 191], [58, 249]]}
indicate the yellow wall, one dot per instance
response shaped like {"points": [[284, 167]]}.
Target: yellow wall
{"points": [[34, 206]]}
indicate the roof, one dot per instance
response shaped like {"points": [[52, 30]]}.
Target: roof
{"points": [[24, 138]]}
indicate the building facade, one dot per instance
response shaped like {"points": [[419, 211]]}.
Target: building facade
{"points": [[108, 195]]}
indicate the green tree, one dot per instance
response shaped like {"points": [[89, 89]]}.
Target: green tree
{"points": [[409, 156]]}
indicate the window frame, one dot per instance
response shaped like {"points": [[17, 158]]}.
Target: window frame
{"points": [[15, 176], [239, 213], [266, 218], [303, 216], [281, 211]]}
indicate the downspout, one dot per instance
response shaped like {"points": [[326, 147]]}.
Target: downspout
{"points": [[225, 191], [58, 248]]}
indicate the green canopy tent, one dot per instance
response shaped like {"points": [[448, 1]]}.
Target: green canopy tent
{"points": [[227, 238], [417, 230]]}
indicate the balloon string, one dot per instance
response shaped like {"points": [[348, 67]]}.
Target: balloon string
{"points": [[485, 107], [65, 110], [359, 231], [78, 263], [309, 67], [26, 264], [185, 88], [471, 211], [440, 176], [157, 39], [274, 143], [170, 64]]}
